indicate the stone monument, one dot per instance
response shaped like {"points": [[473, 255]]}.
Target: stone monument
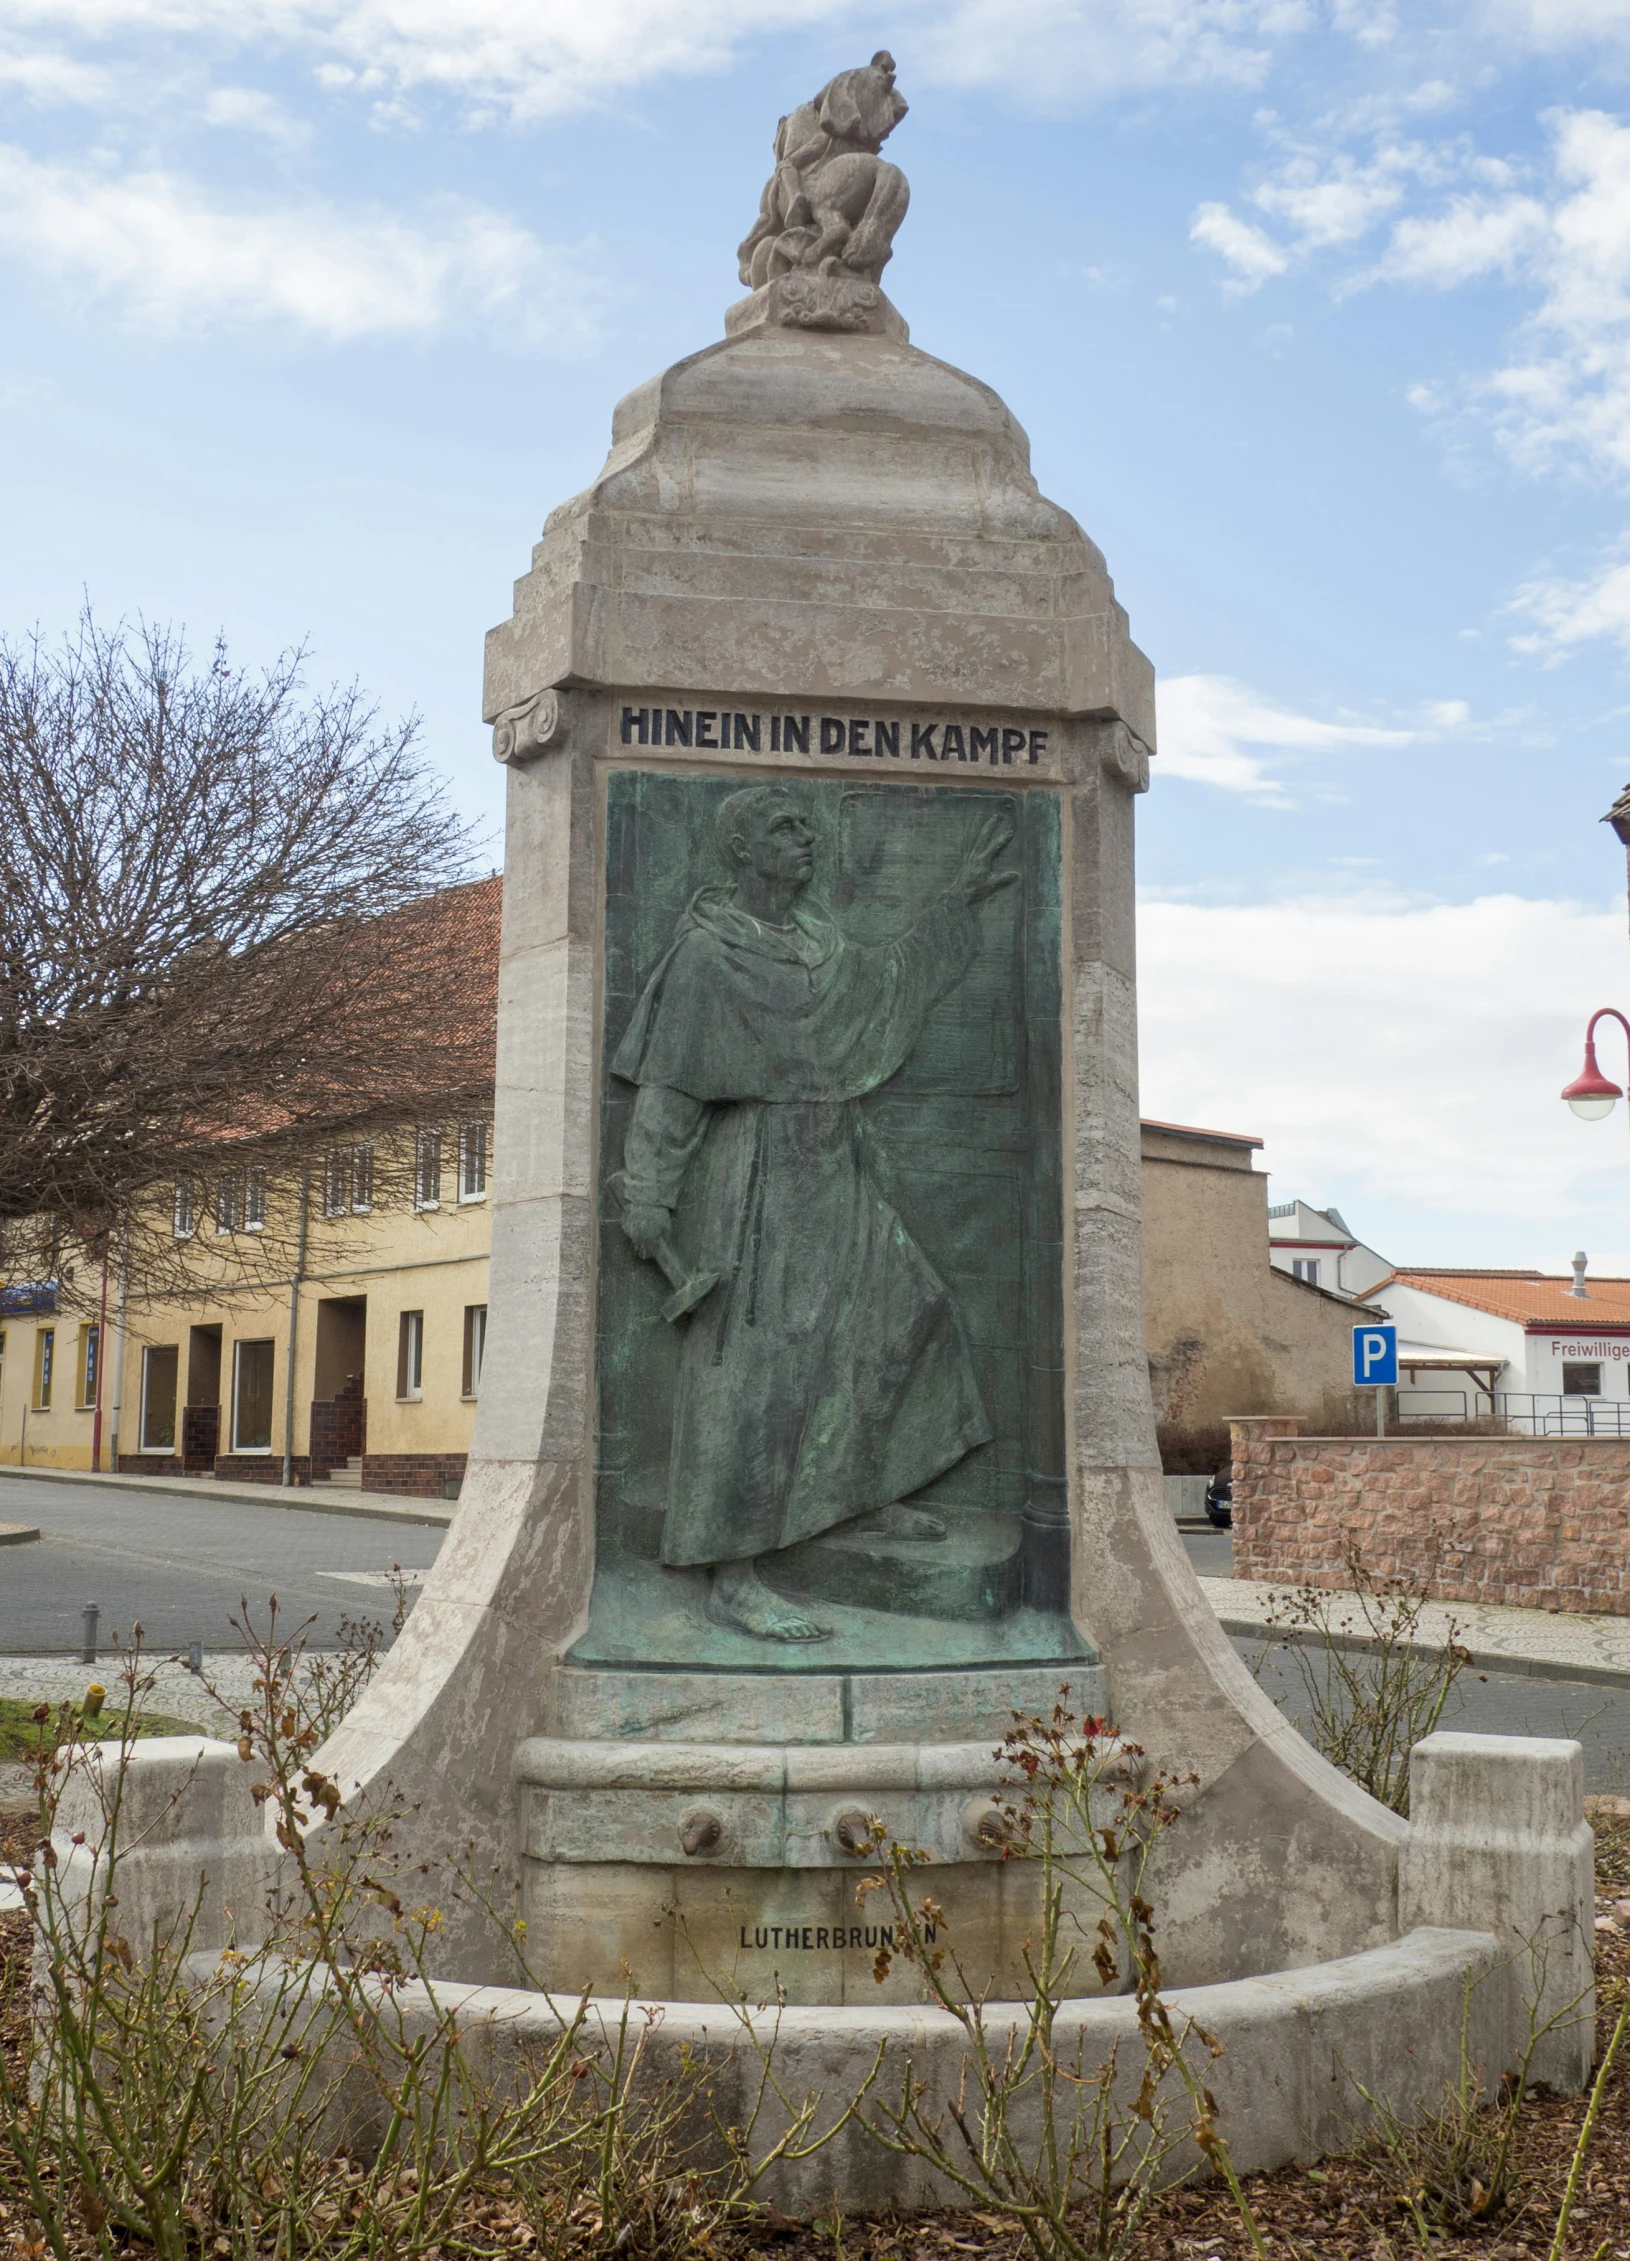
{"points": [[815, 1435]]}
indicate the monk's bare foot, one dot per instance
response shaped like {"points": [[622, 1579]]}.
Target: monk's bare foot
{"points": [[740, 1597], [902, 1522]]}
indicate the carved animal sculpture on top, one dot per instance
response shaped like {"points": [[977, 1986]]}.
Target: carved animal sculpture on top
{"points": [[832, 205]]}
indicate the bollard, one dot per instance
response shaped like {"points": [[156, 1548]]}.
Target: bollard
{"points": [[195, 1656], [87, 1651]]}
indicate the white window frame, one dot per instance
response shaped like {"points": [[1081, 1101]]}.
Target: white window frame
{"points": [[251, 1342], [410, 1358], [336, 1181], [254, 1199], [1306, 1269], [184, 1216], [473, 1159], [362, 1179], [427, 1169], [475, 1348]]}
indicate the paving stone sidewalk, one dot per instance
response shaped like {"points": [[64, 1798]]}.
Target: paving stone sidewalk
{"points": [[309, 1499], [178, 1693], [1540, 1644]]}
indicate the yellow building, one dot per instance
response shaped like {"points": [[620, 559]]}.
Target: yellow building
{"points": [[379, 1319]]}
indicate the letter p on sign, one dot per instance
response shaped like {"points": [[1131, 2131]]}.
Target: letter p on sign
{"points": [[1375, 1357]]}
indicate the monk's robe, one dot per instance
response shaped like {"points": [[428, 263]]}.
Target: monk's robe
{"points": [[827, 1374]]}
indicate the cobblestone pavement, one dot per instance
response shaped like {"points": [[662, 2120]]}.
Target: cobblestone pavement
{"points": [[178, 1693]]}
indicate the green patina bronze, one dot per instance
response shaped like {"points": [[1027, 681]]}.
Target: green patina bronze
{"points": [[829, 1361]]}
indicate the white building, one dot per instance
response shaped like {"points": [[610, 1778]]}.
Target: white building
{"points": [[1543, 1351], [1319, 1246]]}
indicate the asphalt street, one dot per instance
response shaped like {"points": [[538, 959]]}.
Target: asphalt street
{"points": [[1480, 1703], [183, 1567]]}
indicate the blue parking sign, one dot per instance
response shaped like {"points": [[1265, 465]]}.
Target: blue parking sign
{"points": [[1375, 1357]]}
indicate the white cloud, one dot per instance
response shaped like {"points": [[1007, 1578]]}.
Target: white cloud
{"points": [[1322, 197], [1550, 25], [1565, 614], [1475, 236], [532, 58], [246, 109], [1558, 229], [1402, 1060], [1052, 52], [1335, 201], [1209, 726], [45, 75], [173, 258], [1254, 256]]}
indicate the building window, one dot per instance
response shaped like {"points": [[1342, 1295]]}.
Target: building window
{"points": [[472, 1161], [410, 1355], [427, 1170], [475, 1346], [90, 1360], [1581, 1381], [348, 1180], [254, 1201], [184, 1209], [45, 1359], [158, 1375], [252, 1397], [1306, 1268], [229, 1203]]}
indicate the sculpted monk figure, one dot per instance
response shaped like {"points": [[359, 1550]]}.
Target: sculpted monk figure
{"points": [[832, 204], [824, 1376]]}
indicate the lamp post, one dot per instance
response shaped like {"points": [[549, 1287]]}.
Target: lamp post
{"points": [[1591, 1095]]}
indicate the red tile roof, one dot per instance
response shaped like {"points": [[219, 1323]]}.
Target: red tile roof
{"points": [[1192, 1130], [1531, 1298], [444, 948]]}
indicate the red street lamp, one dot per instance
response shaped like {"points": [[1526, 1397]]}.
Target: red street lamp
{"points": [[1591, 1094]]}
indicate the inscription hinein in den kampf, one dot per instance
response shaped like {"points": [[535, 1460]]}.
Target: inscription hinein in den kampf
{"points": [[720, 730]]}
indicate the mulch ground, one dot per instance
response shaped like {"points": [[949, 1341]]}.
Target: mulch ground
{"points": [[1348, 2206]]}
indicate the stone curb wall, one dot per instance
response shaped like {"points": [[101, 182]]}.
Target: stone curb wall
{"points": [[1525, 1522], [415, 1475]]}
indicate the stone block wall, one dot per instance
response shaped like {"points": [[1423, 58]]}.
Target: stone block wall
{"points": [[339, 1428], [200, 1438], [1535, 1522], [258, 1468], [416, 1475]]}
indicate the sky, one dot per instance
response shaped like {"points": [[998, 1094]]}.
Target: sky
{"points": [[1317, 313]]}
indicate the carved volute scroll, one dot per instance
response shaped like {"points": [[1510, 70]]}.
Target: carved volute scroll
{"points": [[1124, 757], [523, 732]]}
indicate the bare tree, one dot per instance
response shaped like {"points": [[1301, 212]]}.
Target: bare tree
{"points": [[216, 950]]}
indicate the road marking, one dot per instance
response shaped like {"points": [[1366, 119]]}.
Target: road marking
{"points": [[375, 1577]]}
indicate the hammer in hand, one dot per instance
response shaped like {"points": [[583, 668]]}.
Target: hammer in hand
{"points": [[689, 1287]]}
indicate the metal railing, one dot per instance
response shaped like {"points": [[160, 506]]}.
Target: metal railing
{"points": [[1532, 1413]]}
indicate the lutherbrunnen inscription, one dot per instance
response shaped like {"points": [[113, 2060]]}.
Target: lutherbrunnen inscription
{"points": [[831, 1027]]}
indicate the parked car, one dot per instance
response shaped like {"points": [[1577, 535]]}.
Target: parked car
{"points": [[1220, 1502]]}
